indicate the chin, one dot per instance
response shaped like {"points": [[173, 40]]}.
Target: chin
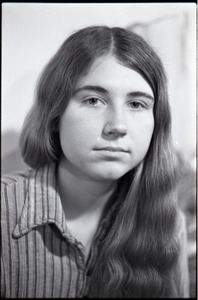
{"points": [[110, 175]]}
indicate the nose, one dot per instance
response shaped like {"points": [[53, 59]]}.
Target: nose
{"points": [[115, 125]]}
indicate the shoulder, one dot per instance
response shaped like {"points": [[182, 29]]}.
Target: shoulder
{"points": [[11, 179], [13, 192], [22, 191], [14, 181], [182, 271]]}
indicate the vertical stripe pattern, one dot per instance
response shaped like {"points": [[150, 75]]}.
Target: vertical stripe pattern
{"points": [[40, 258]]}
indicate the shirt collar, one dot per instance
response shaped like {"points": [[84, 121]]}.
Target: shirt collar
{"points": [[42, 203], [43, 206]]}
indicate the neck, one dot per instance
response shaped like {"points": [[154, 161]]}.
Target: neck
{"points": [[82, 196]]}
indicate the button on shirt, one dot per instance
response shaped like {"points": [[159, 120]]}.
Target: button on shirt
{"points": [[40, 257]]}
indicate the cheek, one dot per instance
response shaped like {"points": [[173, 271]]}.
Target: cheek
{"points": [[77, 133], [141, 134], [147, 132]]}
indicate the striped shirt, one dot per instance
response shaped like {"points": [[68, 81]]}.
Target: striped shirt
{"points": [[40, 257]]}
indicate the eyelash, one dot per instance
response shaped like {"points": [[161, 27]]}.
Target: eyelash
{"points": [[87, 101], [103, 102], [143, 105]]}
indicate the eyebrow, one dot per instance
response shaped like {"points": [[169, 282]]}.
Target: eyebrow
{"points": [[100, 89], [93, 88]]}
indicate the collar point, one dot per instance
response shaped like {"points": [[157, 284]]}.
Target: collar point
{"points": [[18, 232]]}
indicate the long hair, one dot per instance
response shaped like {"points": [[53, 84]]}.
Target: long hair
{"points": [[139, 252]]}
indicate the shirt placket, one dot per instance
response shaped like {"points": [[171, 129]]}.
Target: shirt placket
{"points": [[82, 267], [85, 268], [89, 266]]}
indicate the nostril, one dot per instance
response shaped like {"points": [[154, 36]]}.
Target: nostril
{"points": [[121, 133], [115, 129]]}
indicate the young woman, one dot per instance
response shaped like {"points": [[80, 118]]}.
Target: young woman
{"points": [[97, 213]]}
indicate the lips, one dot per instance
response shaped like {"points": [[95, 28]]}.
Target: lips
{"points": [[112, 149]]}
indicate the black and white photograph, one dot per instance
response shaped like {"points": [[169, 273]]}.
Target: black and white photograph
{"points": [[98, 150]]}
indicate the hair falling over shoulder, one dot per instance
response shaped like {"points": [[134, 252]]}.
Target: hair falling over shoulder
{"points": [[139, 253], [138, 256]]}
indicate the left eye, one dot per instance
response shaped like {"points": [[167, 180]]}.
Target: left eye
{"points": [[135, 105]]}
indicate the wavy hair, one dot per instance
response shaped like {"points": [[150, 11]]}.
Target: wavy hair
{"points": [[139, 252]]}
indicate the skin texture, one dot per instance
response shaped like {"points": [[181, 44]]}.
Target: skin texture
{"points": [[107, 116]]}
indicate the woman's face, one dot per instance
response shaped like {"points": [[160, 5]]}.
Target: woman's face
{"points": [[107, 127]]}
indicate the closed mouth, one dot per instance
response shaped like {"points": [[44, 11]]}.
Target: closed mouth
{"points": [[112, 149]]}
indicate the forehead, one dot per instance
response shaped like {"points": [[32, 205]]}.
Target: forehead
{"points": [[107, 72]]}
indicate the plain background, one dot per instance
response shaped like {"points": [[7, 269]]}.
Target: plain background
{"points": [[32, 33]]}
